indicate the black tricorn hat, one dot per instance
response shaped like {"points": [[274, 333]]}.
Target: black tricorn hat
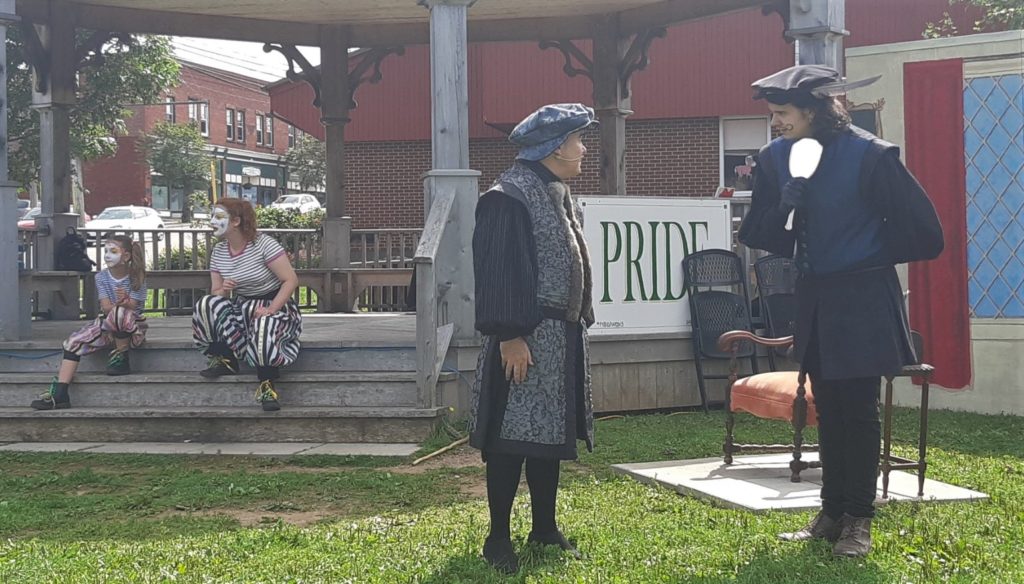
{"points": [[803, 84]]}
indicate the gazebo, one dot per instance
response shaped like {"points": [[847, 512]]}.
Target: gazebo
{"points": [[621, 31]]}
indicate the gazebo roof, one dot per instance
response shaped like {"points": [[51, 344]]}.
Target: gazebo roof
{"points": [[374, 22]]}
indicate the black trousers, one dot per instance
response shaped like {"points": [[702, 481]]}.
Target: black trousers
{"points": [[849, 436], [503, 473]]}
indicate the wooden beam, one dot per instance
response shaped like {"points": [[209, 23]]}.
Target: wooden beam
{"points": [[670, 12]]}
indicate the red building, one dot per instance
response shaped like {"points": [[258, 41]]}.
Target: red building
{"points": [[246, 143], [694, 121]]}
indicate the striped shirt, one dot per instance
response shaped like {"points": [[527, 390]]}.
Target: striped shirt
{"points": [[249, 268], [107, 285]]}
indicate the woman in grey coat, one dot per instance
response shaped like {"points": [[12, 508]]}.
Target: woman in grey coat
{"points": [[531, 400]]}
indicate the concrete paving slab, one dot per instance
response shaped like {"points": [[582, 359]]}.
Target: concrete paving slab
{"points": [[761, 483], [147, 448], [257, 448], [342, 449], [49, 446]]}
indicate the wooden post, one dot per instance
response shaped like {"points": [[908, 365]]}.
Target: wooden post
{"points": [[53, 95], [450, 154], [334, 112], [611, 104], [819, 28], [13, 313]]}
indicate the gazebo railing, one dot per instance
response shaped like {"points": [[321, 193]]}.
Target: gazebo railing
{"points": [[433, 329]]}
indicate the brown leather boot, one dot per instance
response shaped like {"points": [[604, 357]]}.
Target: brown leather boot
{"points": [[855, 539], [821, 527]]}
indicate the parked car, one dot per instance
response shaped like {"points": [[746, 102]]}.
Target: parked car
{"points": [[28, 220], [124, 220], [302, 202]]}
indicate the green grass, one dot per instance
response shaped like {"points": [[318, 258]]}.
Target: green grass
{"points": [[107, 518]]}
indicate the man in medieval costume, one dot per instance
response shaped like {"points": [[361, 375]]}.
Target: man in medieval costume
{"points": [[856, 217], [531, 400]]}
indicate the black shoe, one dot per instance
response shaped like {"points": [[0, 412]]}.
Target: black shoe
{"points": [[219, 366], [266, 395], [500, 555], [55, 398], [821, 527], [555, 538], [118, 363]]}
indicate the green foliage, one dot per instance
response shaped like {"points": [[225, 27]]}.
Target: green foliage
{"points": [[307, 163], [177, 154], [271, 218], [995, 15], [129, 70], [181, 258]]}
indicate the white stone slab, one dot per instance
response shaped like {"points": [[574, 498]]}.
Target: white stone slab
{"points": [[49, 446], [761, 482], [147, 448], [257, 448], [343, 449]]}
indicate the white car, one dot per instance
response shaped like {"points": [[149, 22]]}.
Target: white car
{"points": [[301, 202], [125, 220]]}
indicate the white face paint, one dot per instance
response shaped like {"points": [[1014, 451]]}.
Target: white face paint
{"points": [[219, 221], [112, 254]]}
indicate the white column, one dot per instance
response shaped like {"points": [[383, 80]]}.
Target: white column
{"points": [[334, 115], [13, 313], [611, 104], [818, 28]]}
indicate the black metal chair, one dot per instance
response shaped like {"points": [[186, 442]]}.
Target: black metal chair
{"points": [[714, 311], [776, 286]]}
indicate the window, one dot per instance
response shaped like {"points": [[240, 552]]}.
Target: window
{"points": [[740, 139], [169, 114], [240, 127], [259, 129], [291, 136], [199, 113], [229, 116], [268, 132]]}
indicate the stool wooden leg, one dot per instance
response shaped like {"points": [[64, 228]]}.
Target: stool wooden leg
{"points": [[922, 440], [887, 438]]}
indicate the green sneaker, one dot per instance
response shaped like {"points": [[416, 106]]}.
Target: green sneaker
{"points": [[118, 363]]}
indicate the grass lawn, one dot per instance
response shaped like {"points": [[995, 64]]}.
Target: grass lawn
{"points": [[109, 518]]}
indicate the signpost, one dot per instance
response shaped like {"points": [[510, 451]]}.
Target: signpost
{"points": [[637, 246]]}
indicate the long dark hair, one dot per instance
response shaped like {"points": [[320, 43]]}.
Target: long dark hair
{"points": [[136, 260], [830, 118]]}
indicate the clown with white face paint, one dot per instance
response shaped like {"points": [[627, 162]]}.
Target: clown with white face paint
{"points": [[249, 314], [121, 289], [220, 220]]}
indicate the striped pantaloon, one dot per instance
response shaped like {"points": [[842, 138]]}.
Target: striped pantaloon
{"points": [[268, 341], [99, 334]]}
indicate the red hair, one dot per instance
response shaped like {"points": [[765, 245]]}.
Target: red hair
{"points": [[243, 210]]}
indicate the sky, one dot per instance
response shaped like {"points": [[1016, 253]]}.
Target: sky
{"points": [[238, 57]]}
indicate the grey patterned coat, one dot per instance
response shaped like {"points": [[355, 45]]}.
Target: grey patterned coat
{"points": [[533, 280]]}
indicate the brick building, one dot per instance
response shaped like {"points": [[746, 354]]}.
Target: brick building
{"points": [[245, 142], [693, 126]]}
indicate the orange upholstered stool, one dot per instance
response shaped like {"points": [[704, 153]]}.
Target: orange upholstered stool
{"points": [[771, 396]]}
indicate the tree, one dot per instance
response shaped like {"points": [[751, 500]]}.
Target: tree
{"points": [[177, 154], [126, 70], [307, 163], [995, 15]]}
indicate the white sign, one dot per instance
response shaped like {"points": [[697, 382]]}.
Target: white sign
{"points": [[637, 246], [251, 171]]}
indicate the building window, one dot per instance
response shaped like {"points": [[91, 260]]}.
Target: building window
{"points": [[739, 141], [240, 127], [229, 119], [259, 129], [268, 136], [169, 114], [291, 136], [199, 113]]}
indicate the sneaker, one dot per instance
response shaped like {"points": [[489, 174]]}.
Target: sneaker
{"points": [[118, 363], [219, 365], [821, 527], [855, 539], [266, 395], [501, 556], [55, 398], [555, 538]]}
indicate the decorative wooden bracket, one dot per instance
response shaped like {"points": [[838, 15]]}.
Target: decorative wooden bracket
{"points": [[780, 7], [636, 58], [570, 51], [360, 73], [306, 72], [37, 56]]}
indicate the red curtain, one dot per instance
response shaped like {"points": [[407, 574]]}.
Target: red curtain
{"points": [[933, 107]]}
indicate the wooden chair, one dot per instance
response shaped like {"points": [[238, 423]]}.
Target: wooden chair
{"points": [[789, 396]]}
